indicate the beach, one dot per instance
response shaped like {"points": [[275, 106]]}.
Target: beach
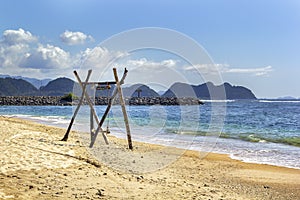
{"points": [[35, 164]]}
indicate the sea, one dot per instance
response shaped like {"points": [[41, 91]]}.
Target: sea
{"points": [[255, 131]]}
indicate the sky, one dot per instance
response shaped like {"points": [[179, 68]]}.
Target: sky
{"points": [[254, 43]]}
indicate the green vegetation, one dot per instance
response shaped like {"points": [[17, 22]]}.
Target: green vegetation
{"points": [[69, 97]]}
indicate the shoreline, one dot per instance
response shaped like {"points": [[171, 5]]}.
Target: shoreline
{"points": [[38, 165], [184, 147]]}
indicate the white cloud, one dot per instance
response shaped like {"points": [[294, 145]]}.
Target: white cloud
{"points": [[75, 38], [225, 68], [20, 53], [11, 55], [98, 57], [12, 37], [145, 64], [14, 45], [161, 72], [206, 68], [255, 71], [47, 57]]}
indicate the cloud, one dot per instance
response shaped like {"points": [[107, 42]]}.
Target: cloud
{"points": [[47, 57], [98, 57], [225, 68], [14, 45], [145, 64], [75, 38], [161, 72], [12, 37], [255, 71], [21, 53], [11, 55], [207, 68]]}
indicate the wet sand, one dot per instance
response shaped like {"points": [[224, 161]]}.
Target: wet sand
{"points": [[35, 164]]}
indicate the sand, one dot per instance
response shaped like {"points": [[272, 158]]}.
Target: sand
{"points": [[35, 164]]}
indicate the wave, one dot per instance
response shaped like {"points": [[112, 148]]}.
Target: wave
{"points": [[48, 120], [279, 101], [248, 137], [218, 101], [293, 141], [187, 132]]}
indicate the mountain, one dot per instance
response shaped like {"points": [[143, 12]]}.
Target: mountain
{"points": [[16, 87], [180, 90], [58, 87], [62, 86], [37, 83], [209, 91], [287, 98], [139, 90]]}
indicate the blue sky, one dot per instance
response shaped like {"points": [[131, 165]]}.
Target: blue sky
{"points": [[253, 43]]}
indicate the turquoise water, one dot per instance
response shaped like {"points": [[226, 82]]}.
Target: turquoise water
{"points": [[262, 131]]}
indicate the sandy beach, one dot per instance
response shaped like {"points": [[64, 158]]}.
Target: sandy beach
{"points": [[35, 164]]}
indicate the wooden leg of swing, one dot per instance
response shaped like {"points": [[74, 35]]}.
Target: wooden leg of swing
{"points": [[91, 123], [66, 136], [123, 109]]}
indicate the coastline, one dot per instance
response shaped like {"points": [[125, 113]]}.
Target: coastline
{"points": [[35, 164]]}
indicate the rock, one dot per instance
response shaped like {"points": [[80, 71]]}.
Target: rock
{"points": [[99, 192]]}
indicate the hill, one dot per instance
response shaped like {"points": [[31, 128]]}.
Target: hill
{"points": [[37, 83], [139, 90], [16, 87], [62, 86], [209, 91], [58, 87]]}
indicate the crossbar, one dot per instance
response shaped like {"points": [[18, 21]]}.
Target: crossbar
{"points": [[101, 83]]}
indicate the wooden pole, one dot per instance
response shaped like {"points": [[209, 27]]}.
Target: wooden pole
{"points": [[66, 136], [110, 102], [91, 122], [123, 109]]}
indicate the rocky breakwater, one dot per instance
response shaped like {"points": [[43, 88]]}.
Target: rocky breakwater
{"points": [[30, 100], [61, 101], [163, 101], [148, 101]]}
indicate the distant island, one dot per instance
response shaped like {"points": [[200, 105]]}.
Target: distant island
{"points": [[209, 91], [287, 98], [137, 94]]}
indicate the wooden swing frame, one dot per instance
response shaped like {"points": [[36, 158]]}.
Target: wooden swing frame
{"points": [[93, 116]]}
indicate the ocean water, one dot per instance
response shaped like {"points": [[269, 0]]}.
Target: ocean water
{"points": [[260, 131]]}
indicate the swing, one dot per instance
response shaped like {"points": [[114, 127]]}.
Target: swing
{"points": [[105, 87], [93, 115]]}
